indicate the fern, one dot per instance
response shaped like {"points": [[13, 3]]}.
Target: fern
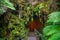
{"points": [[18, 26], [54, 17], [52, 31], [55, 37]]}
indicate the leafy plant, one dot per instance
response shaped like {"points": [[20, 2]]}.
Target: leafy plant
{"points": [[17, 27], [5, 4], [52, 30], [1, 39], [55, 37], [54, 17]]}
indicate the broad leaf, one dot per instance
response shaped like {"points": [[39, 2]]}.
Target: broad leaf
{"points": [[51, 29], [55, 36], [54, 17], [9, 5]]}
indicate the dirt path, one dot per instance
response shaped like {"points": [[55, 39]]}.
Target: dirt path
{"points": [[31, 36]]}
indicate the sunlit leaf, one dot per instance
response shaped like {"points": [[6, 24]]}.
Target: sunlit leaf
{"points": [[54, 17], [51, 29], [55, 36]]}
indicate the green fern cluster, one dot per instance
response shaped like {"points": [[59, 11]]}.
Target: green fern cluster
{"points": [[18, 26], [52, 29]]}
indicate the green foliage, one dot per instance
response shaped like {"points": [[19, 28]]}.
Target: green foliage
{"points": [[18, 26], [41, 7], [7, 4], [1, 39], [1, 32], [2, 10], [55, 37], [36, 9], [54, 17], [52, 30]]}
